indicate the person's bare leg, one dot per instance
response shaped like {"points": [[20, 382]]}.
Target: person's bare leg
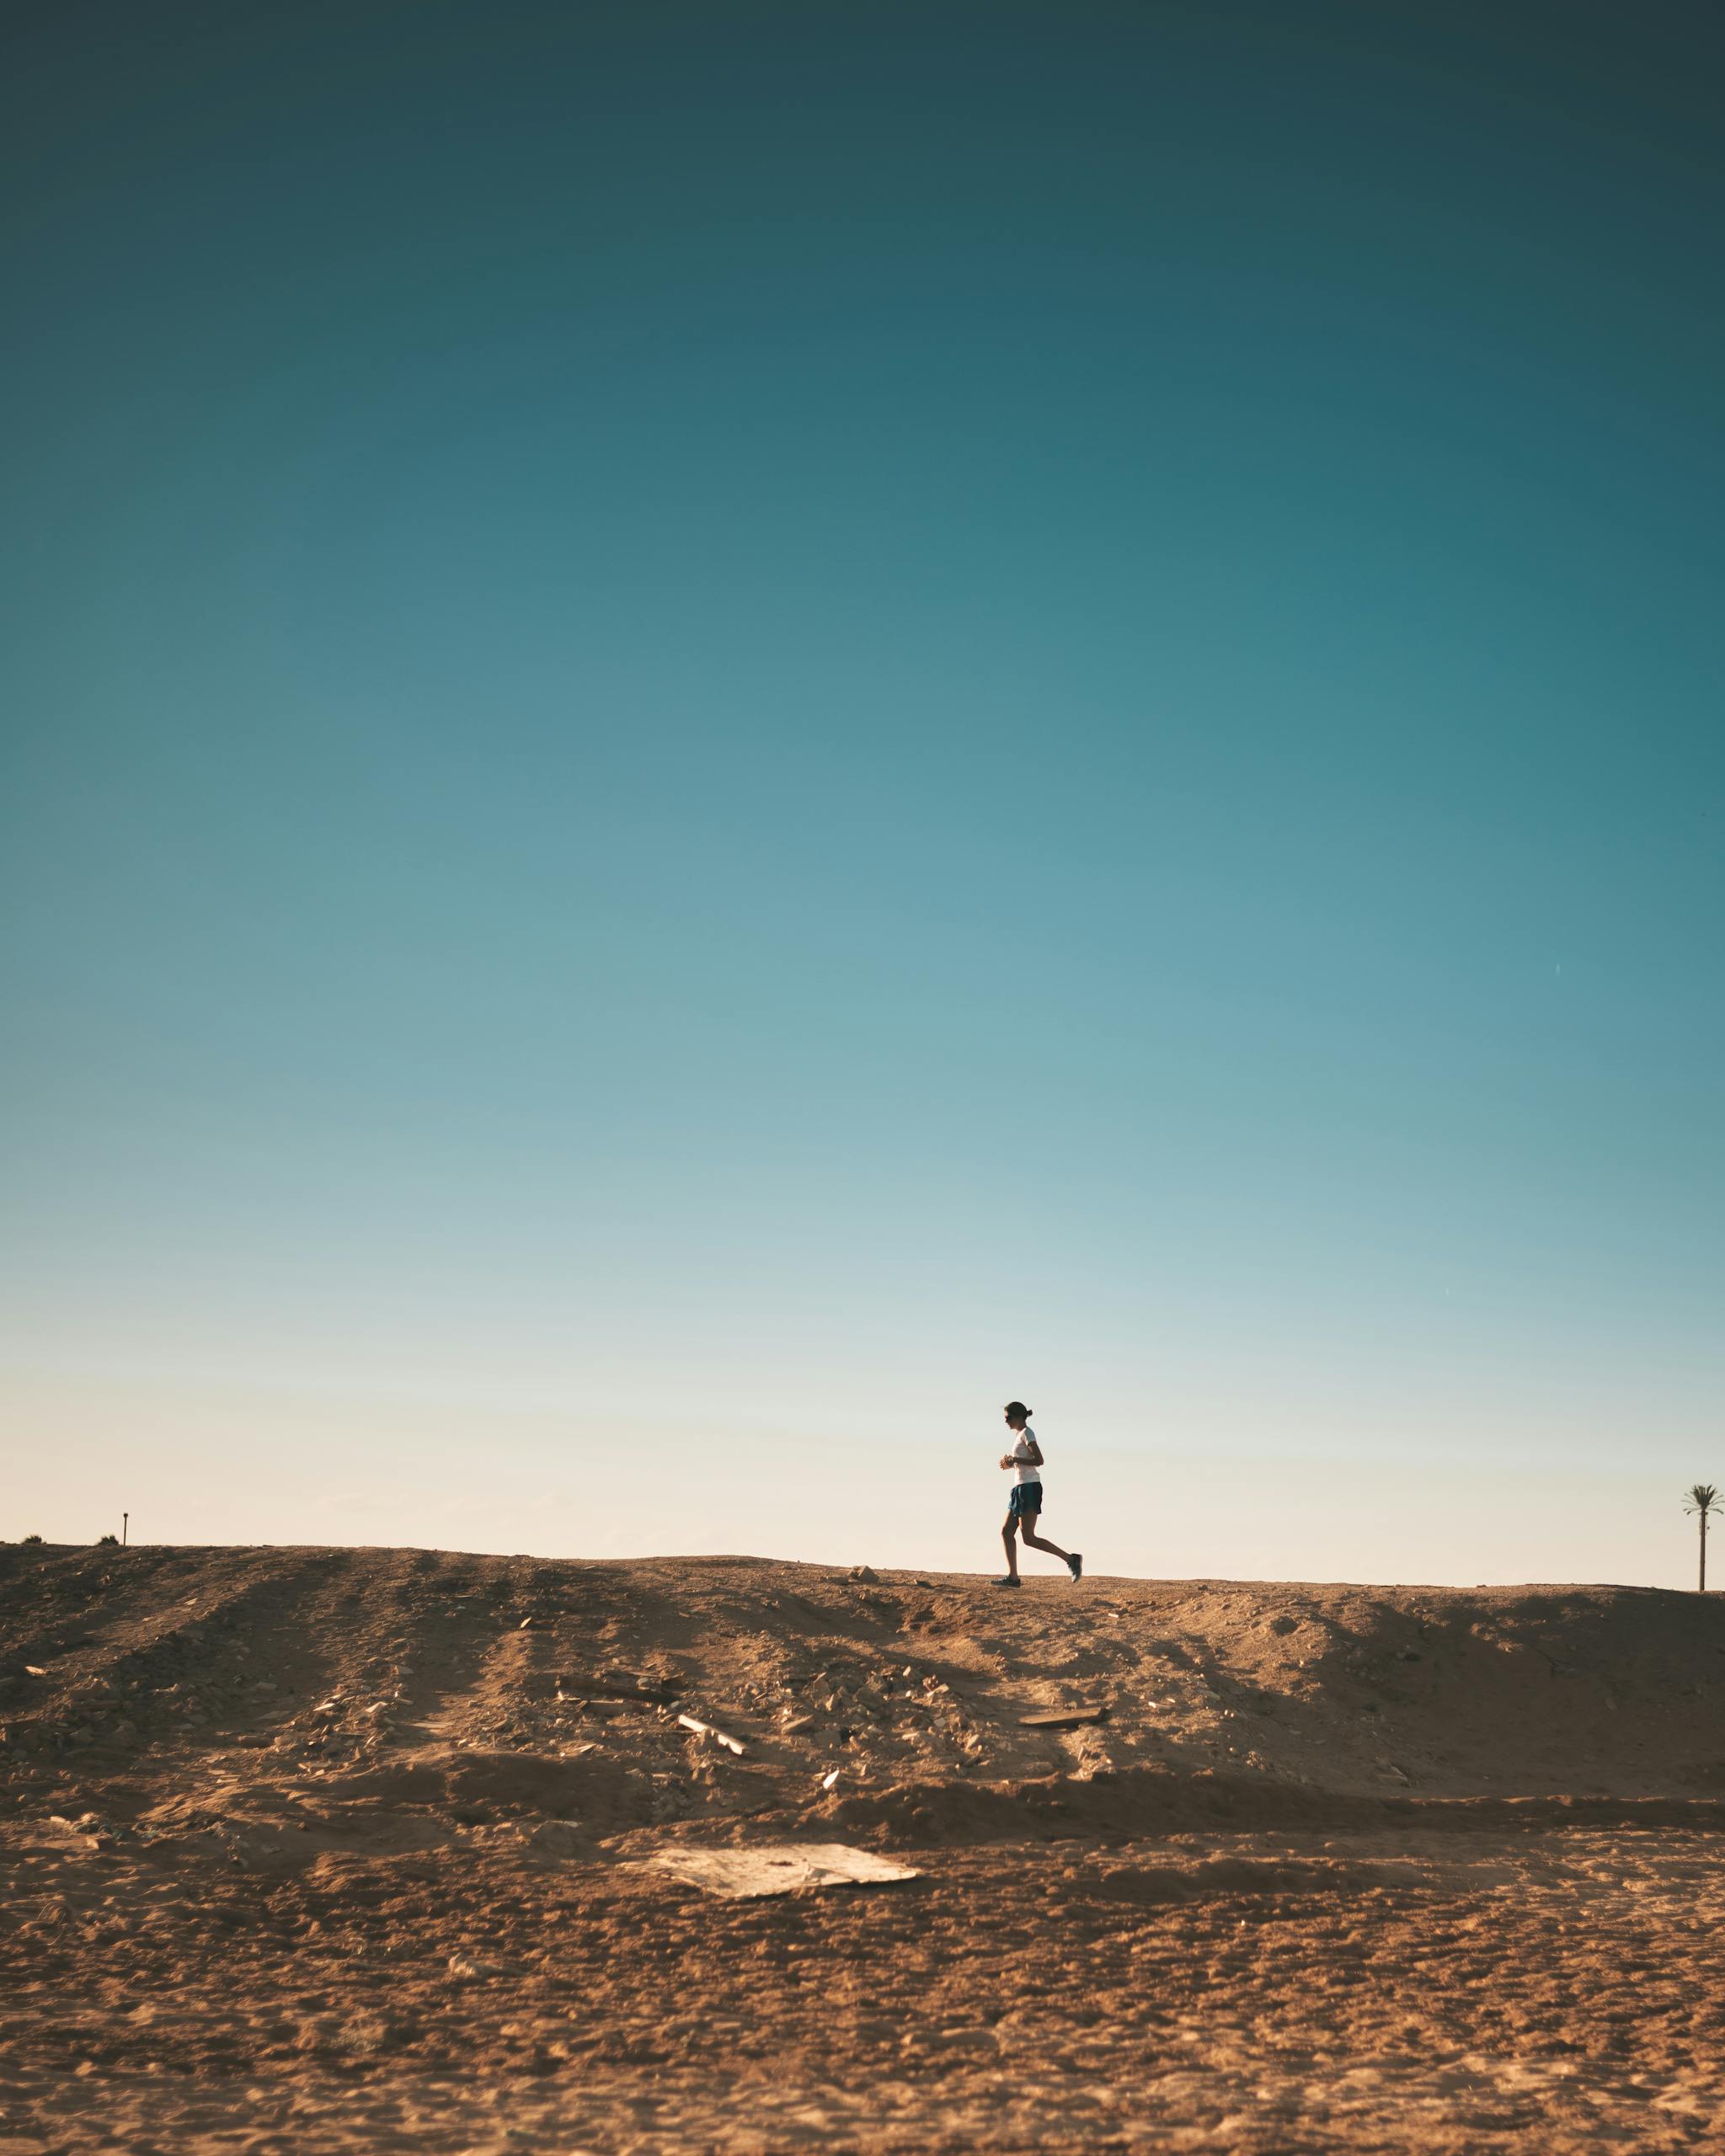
{"points": [[1009, 1535], [1033, 1540]]}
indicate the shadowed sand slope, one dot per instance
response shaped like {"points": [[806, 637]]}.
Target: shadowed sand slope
{"points": [[345, 1849], [432, 1680]]}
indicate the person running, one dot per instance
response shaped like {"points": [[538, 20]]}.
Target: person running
{"points": [[1024, 1508]]}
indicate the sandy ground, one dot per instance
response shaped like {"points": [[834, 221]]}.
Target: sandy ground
{"points": [[339, 1850]]}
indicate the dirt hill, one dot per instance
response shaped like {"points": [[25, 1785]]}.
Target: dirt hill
{"points": [[424, 1684], [329, 1851]]}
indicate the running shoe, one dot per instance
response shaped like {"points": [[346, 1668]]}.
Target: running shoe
{"points": [[1074, 1565]]}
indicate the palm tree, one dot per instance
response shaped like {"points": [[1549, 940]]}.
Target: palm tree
{"points": [[1700, 1500]]}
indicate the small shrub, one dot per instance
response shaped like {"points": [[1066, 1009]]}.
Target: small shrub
{"points": [[32, 1538], [108, 1542]]}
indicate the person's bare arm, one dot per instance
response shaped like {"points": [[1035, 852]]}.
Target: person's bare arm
{"points": [[1034, 1454]]}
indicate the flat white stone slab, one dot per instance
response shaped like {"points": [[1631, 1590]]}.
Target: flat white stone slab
{"points": [[778, 1868]]}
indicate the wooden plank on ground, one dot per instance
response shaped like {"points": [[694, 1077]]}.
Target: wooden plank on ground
{"points": [[706, 1729], [1063, 1718], [637, 1692]]}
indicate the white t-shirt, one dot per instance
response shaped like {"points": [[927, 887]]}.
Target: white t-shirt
{"points": [[1028, 1471]]}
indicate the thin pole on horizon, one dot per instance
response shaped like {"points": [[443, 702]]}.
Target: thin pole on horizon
{"points": [[125, 1527]]}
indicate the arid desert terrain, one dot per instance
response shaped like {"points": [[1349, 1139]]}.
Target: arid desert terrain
{"points": [[341, 1850]]}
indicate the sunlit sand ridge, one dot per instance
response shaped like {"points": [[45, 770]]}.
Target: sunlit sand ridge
{"points": [[328, 1849]]}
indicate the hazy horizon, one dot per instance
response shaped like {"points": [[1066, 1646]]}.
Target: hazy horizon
{"points": [[732, 732]]}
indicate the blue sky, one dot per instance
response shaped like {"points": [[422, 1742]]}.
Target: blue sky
{"points": [[734, 730]]}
